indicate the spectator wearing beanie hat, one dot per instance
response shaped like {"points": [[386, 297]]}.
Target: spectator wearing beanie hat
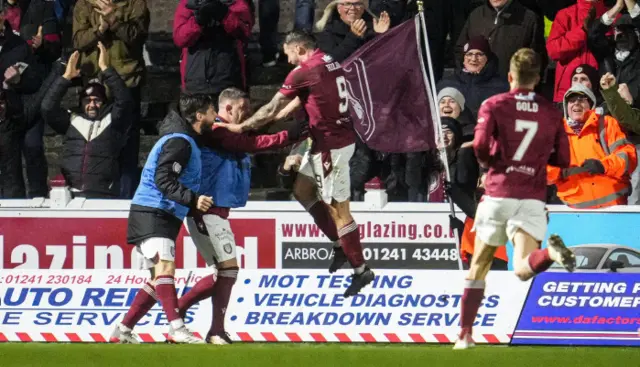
{"points": [[508, 26], [478, 78], [451, 103], [99, 123], [588, 76]]}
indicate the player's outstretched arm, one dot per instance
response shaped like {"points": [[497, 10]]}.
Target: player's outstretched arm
{"points": [[264, 115], [292, 107]]}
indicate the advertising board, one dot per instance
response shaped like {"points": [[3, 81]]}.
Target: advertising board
{"points": [[415, 306], [581, 309]]}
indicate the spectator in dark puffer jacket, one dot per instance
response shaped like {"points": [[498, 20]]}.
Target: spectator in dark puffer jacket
{"points": [[39, 28], [18, 113], [620, 54], [478, 79], [94, 136], [508, 26]]}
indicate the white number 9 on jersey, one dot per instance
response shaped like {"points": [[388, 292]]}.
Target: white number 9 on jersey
{"points": [[343, 94], [531, 128]]}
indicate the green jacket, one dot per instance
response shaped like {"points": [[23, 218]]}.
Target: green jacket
{"points": [[124, 39], [627, 116]]}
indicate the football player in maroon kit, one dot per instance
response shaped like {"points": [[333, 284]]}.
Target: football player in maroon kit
{"points": [[517, 135], [318, 84]]}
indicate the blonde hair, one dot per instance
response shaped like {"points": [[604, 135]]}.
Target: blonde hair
{"points": [[525, 66], [326, 15]]}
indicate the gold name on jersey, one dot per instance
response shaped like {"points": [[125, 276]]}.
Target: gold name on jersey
{"points": [[333, 66], [526, 106]]}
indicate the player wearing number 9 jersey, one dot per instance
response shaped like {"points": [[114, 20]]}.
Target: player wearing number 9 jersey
{"points": [[318, 84], [517, 135]]}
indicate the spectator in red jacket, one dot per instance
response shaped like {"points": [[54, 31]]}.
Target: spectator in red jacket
{"points": [[212, 35], [567, 43]]}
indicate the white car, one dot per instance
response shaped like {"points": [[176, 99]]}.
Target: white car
{"points": [[601, 258]]}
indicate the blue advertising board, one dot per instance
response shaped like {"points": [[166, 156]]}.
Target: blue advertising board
{"points": [[597, 309], [583, 228]]}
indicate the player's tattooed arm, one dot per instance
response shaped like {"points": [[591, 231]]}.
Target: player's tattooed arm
{"points": [[266, 113], [292, 107]]}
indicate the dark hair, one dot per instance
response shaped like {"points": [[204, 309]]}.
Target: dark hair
{"points": [[190, 104], [302, 38], [231, 94]]}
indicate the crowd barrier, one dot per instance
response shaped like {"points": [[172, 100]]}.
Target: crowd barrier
{"points": [[284, 292]]}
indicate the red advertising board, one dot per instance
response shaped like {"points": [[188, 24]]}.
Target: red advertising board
{"points": [[100, 243]]}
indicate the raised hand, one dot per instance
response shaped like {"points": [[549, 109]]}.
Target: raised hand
{"points": [[382, 25], [103, 58], [359, 27], [607, 81], [625, 93], [72, 70], [104, 26], [105, 7], [36, 41]]}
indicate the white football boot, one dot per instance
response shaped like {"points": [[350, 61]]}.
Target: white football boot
{"points": [[220, 339], [464, 342], [182, 335], [123, 335]]}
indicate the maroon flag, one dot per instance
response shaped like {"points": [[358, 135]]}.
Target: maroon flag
{"points": [[390, 99]]}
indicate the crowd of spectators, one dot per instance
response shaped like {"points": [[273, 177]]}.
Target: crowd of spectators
{"points": [[591, 69]]}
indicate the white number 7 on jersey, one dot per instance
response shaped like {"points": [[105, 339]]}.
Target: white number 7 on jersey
{"points": [[343, 94], [531, 128]]}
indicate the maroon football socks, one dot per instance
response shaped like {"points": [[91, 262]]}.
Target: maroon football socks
{"points": [[350, 242], [142, 303], [200, 291], [471, 300], [166, 292], [221, 295], [539, 261], [322, 217]]}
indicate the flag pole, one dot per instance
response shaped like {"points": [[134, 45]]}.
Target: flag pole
{"points": [[437, 123]]}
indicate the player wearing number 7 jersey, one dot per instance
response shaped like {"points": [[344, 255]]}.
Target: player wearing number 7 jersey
{"points": [[517, 135], [318, 84]]}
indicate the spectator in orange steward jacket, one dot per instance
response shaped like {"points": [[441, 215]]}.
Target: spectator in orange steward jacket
{"points": [[602, 158]]}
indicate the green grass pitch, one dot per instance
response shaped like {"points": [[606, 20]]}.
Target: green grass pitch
{"points": [[307, 355]]}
